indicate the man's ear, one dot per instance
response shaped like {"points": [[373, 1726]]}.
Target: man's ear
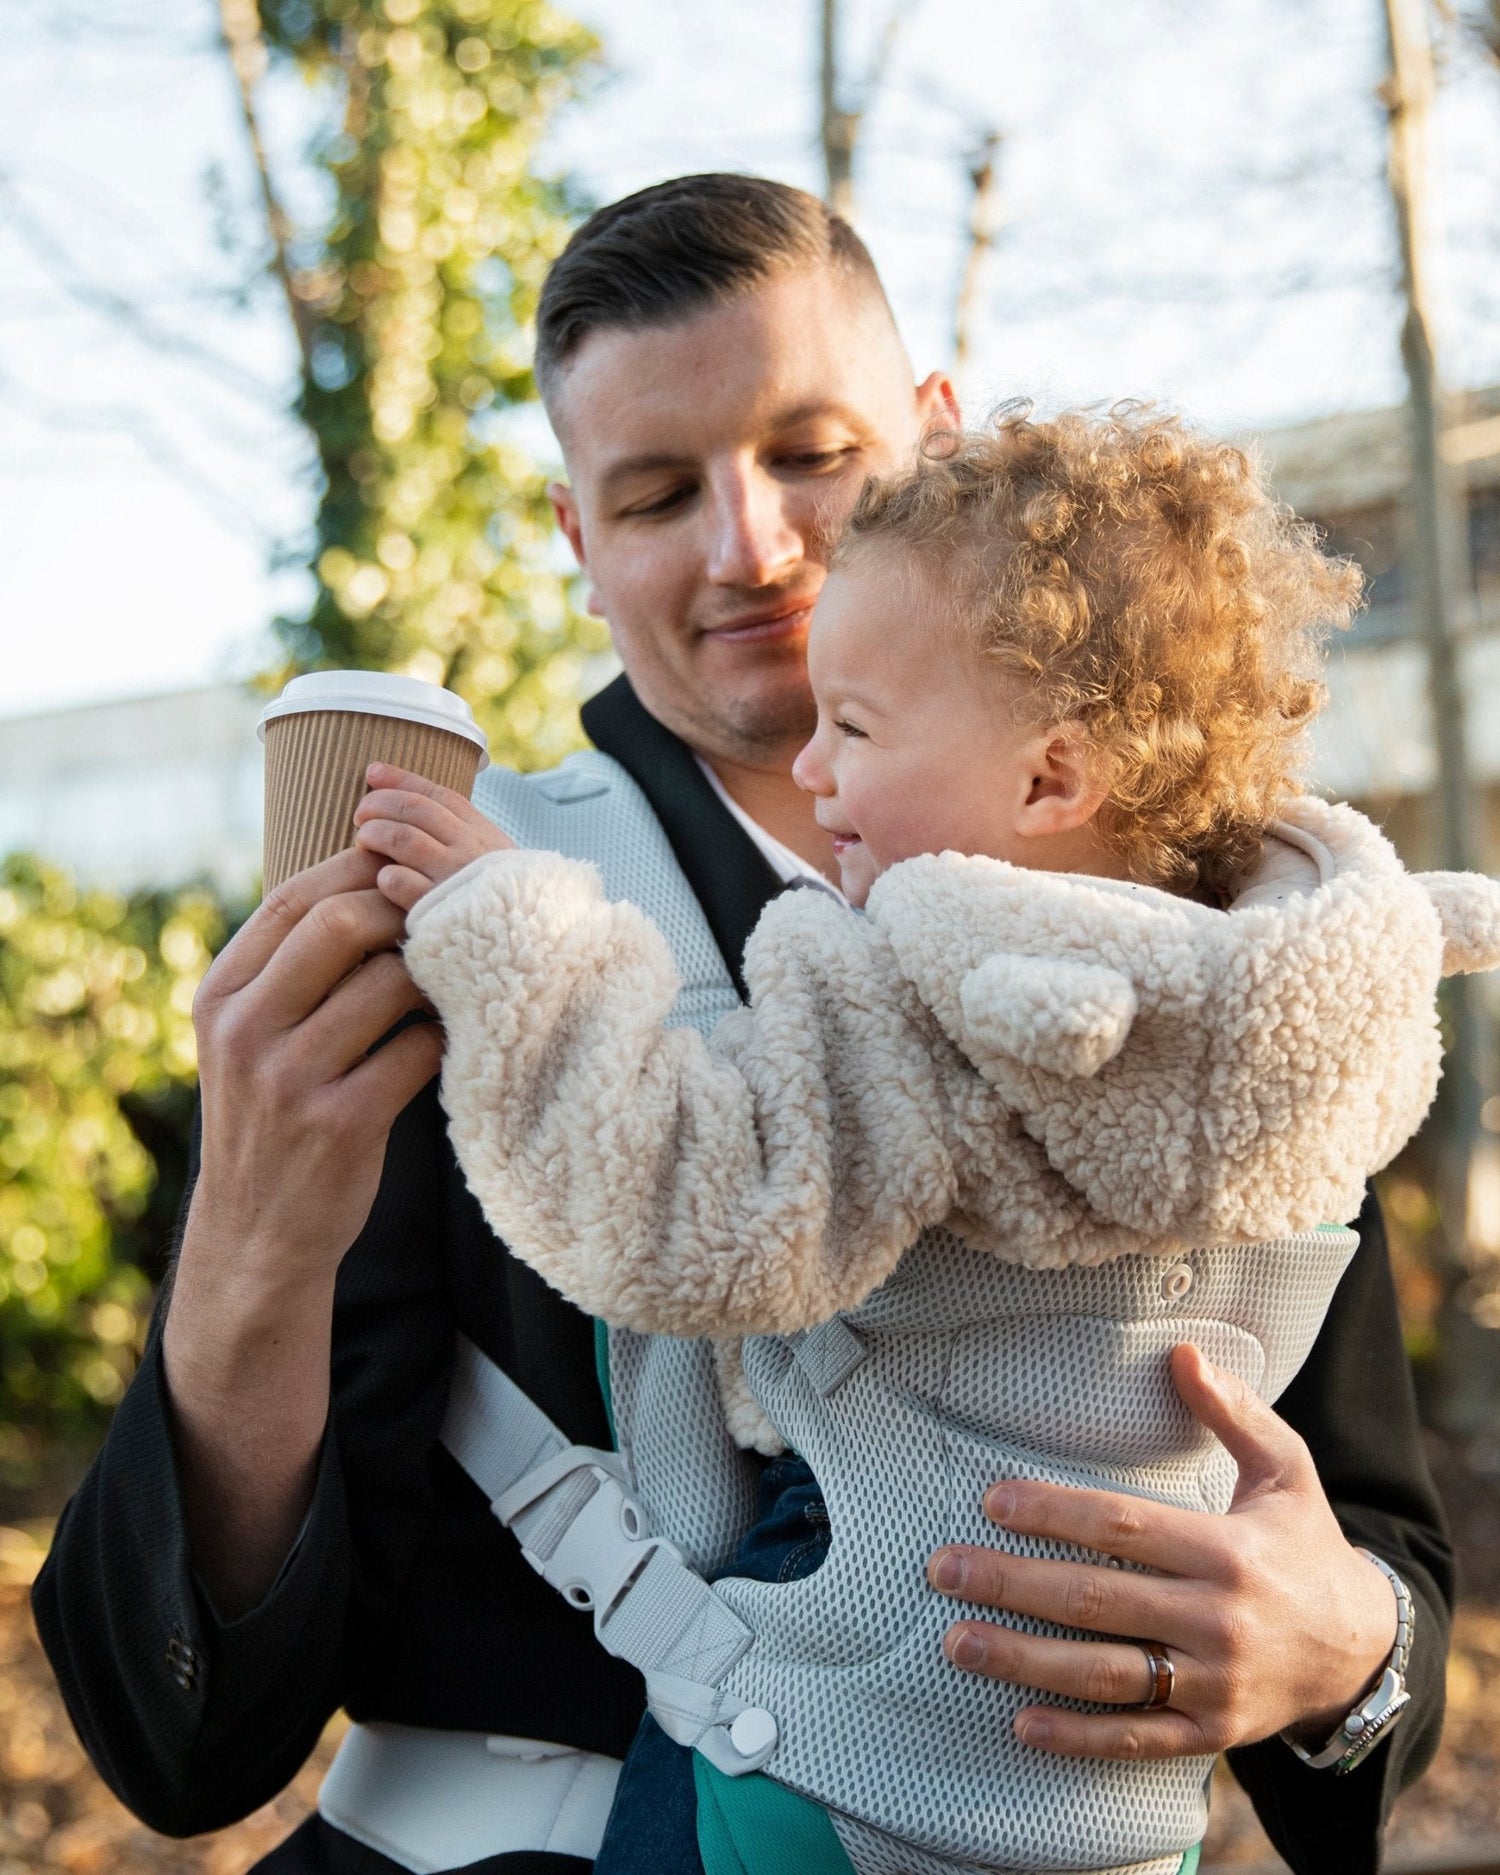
{"points": [[937, 404], [1063, 787], [565, 509]]}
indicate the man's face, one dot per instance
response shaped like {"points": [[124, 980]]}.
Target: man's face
{"points": [[711, 461]]}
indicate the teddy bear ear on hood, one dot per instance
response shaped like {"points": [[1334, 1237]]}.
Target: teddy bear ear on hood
{"points": [[1468, 909], [1054, 1013]]}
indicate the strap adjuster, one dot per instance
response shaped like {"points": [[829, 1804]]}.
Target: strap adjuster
{"points": [[582, 1531]]}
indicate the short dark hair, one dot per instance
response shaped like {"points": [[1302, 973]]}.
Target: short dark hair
{"points": [[669, 251]]}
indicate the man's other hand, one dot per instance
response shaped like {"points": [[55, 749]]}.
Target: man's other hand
{"points": [[296, 1109], [1271, 1619]]}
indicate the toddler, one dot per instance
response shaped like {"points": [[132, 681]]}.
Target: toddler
{"points": [[1123, 1029]]}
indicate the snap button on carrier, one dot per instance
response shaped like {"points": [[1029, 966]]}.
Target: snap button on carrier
{"points": [[753, 1732], [1177, 1281]]}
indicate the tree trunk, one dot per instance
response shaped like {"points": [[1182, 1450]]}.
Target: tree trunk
{"points": [[239, 21], [1468, 1163], [984, 224], [838, 129]]}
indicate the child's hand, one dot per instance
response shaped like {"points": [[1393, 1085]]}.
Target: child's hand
{"points": [[427, 832]]}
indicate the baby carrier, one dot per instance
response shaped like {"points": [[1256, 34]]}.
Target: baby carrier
{"points": [[961, 1369]]}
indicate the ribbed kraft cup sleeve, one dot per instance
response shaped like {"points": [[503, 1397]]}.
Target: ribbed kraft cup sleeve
{"points": [[315, 776]]}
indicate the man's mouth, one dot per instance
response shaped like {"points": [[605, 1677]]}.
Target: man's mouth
{"points": [[787, 619]]}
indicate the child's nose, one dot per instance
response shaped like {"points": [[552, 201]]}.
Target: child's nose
{"points": [[808, 772]]}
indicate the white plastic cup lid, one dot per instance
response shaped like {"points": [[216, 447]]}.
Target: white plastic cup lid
{"points": [[377, 693]]}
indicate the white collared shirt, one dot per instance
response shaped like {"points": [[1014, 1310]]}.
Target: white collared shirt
{"points": [[789, 867]]}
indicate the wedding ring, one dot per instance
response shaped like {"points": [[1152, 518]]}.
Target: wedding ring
{"points": [[1163, 1676]]}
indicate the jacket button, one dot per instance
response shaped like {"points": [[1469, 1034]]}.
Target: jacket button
{"points": [[182, 1662], [1176, 1282]]}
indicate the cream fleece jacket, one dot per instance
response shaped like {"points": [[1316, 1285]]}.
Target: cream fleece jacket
{"points": [[1060, 1069]]}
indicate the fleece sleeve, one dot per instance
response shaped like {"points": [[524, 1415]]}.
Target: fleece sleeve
{"points": [[666, 1183]]}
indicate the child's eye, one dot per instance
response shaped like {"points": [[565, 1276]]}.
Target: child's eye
{"points": [[847, 728]]}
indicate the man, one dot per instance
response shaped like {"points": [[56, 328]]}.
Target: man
{"points": [[271, 1530]]}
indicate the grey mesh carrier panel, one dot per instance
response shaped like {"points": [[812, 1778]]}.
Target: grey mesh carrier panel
{"points": [[961, 1370], [591, 809]]}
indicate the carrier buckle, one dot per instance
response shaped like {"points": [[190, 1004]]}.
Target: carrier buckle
{"points": [[582, 1530]]}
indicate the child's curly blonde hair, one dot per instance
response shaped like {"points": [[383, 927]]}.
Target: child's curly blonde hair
{"points": [[1146, 585]]}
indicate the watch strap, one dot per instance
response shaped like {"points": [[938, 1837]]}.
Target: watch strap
{"points": [[1357, 1735]]}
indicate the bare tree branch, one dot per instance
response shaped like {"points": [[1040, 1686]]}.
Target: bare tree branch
{"points": [[119, 420], [240, 22], [885, 47], [113, 305], [161, 37], [984, 225]]}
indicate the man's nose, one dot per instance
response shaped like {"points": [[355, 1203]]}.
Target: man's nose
{"points": [[754, 542]]}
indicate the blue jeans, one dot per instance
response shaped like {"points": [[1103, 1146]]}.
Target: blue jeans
{"points": [[653, 1827]]}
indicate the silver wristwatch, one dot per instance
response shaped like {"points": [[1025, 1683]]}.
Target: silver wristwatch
{"points": [[1369, 1722]]}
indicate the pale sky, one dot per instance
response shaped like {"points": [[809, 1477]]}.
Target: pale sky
{"points": [[1193, 209]]}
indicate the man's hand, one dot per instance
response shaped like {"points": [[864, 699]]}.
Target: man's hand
{"points": [[428, 833], [1270, 1617], [296, 1111]]}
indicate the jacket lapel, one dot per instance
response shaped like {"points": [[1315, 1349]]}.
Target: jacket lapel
{"points": [[726, 870]]}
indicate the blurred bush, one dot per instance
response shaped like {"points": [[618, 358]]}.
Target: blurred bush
{"points": [[1413, 1225], [96, 1068]]}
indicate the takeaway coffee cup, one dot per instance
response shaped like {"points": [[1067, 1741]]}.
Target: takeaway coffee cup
{"points": [[325, 729]]}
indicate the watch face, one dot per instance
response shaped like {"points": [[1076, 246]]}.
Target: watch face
{"points": [[1376, 1725], [1391, 1684]]}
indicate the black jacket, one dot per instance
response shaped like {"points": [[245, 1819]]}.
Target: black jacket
{"points": [[404, 1600]]}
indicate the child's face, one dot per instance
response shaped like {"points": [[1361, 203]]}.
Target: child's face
{"points": [[917, 749]]}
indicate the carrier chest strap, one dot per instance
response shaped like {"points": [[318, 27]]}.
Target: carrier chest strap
{"points": [[583, 1531]]}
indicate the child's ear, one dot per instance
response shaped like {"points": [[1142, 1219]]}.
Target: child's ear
{"points": [[1062, 788]]}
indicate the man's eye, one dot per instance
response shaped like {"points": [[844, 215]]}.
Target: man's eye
{"points": [[658, 505]]}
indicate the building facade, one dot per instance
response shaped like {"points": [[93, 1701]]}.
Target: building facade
{"points": [[150, 791], [1374, 743]]}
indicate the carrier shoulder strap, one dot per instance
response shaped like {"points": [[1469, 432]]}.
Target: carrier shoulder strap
{"points": [[583, 1531], [570, 1506], [590, 808]]}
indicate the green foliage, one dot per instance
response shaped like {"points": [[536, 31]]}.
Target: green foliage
{"points": [[96, 1054], [435, 554]]}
